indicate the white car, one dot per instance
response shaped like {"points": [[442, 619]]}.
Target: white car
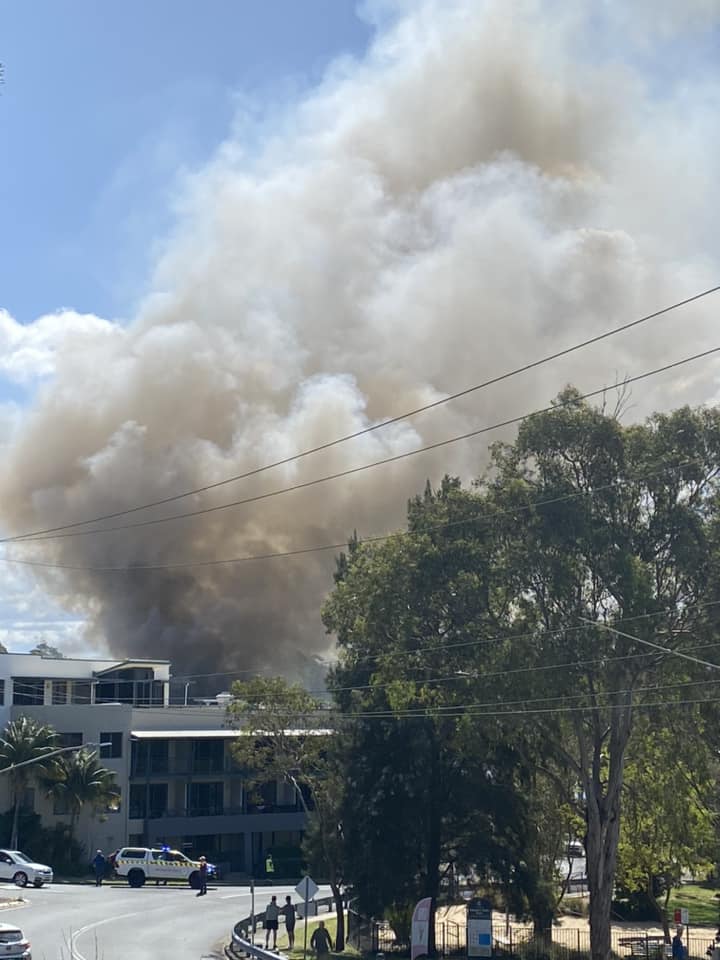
{"points": [[22, 870], [139, 864], [13, 943]]}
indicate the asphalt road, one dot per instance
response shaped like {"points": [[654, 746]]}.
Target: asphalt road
{"points": [[118, 923]]}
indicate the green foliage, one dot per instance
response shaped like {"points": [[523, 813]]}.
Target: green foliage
{"points": [[283, 735], [669, 807], [485, 690], [80, 780], [24, 741], [55, 845]]}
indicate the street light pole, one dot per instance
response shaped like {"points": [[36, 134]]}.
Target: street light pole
{"points": [[52, 753]]}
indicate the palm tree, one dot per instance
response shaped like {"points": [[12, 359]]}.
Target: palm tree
{"points": [[24, 739], [79, 779]]}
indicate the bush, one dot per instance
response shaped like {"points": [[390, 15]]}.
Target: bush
{"points": [[54, 846]]}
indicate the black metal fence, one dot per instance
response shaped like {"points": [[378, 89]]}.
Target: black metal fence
{"points": [[519, 942]]}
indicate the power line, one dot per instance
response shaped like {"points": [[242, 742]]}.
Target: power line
{"points": [[384, 423], [354, 470], [656, 646], [340, 546], [434, 648]]}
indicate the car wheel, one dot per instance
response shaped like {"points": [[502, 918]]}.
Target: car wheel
{"points": [[136, 878], [20, 879], [38, 883], [194, 880]]}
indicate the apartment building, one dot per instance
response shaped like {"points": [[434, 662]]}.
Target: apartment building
{"points": [[177, 778]]}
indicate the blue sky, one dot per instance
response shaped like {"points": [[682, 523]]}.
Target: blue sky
{"points": [[103, 104]]}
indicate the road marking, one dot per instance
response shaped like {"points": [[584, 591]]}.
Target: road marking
{"points": [[74, 952]]}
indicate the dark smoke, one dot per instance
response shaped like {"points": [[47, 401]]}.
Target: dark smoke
{"points": [[493, 181]]}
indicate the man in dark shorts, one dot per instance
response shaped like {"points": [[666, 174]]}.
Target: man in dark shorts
{"points": [[289, 913], [272, 912]]}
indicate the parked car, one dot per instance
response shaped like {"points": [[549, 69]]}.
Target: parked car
{"points": [[139, 864], [13, 943], [15, 866]]}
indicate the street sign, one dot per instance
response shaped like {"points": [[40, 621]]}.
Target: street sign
{"points": [[307, 888], [479, 928], [682, 916]]}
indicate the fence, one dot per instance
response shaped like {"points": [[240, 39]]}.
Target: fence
{"points": [[518, 941], [242, 939]]}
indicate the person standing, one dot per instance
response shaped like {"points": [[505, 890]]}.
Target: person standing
{"points": [[203, 871], [272, 912], [320, 940], [289, 914], [678, 948], [99, 865]]}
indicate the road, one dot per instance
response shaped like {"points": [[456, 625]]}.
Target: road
{"points": [[117, 923]]}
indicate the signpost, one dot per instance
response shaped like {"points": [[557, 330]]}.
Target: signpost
{"points": [[307, 889], [479, 928]]}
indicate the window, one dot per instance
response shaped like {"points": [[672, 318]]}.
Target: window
{"points": [[149, 756], [138, 805], [70, 739], [59, 692], [205, 799], [129, 854], [28, 691], [208, 756], [2, 693], [114, 751], [148, 800], [27, 801], [157, 800], [81, 691]]}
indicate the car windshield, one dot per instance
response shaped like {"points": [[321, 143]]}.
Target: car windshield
{"points": [[17, 855]]}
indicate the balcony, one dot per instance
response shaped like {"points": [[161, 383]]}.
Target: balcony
{"points": [[137, 812], [183, 767]]}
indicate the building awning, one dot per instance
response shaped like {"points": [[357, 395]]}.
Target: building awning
{"points": [[131, 665], [216, 734], [183, 734]]}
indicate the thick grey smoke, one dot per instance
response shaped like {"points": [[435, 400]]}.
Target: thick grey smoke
{"points": [[491, 182]]}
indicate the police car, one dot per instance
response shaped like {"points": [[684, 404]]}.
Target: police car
{"points": [[139, 864]]}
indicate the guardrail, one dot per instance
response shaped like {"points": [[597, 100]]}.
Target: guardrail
{"points": [[241, 944]]}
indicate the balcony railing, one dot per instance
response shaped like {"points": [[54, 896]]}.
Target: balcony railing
{"points": [[142, 767], [140, 813]]}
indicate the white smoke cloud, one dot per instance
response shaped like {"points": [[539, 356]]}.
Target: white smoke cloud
{"points": [[474, 193]]}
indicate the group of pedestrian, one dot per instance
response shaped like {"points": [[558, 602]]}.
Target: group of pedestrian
{"points": [[320, 941], [272, 917]]}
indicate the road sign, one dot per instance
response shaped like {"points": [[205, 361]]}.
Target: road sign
{"points": [[479, 928], [682, 916], [307, 888]]}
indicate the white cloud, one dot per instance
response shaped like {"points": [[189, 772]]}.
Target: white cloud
{"points": [[30, 351]]}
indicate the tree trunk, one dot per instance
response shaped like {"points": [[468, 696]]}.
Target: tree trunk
{"points": [[340, 911], [15, 823], [603, 821]]}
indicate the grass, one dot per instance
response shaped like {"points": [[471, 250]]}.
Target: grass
{"points": [[700, 899], [296, 954]]}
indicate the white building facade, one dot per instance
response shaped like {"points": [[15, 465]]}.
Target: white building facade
{"points": [[177, 779]]}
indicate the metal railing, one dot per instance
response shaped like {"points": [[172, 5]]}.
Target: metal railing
{"points": [[242, 943]]}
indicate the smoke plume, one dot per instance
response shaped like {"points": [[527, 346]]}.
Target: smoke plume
{"points": [[490, 182]]}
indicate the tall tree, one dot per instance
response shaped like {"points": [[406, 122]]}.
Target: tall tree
{"points": [[79, 780], [577, 571], [284, 736], [24, 740], [427, 783], [612, 556]]}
